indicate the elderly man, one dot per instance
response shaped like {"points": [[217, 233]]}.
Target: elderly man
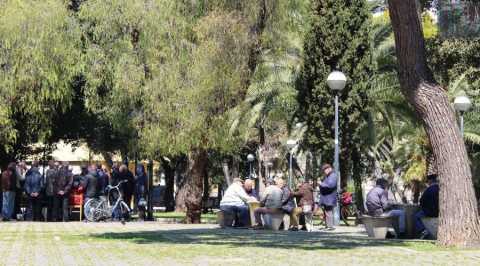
{"points": [[235, 201], [378, 205], [248, 186], [328, 195], [271, 202]]}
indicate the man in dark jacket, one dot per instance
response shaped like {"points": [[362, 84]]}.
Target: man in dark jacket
{"points": [[90, 184], [429, 204], [378, 205], [9, 184], [328, 194], [50, 190], [140, 190], [102, 180], [128, 187], [34, 185], [63, 185]]}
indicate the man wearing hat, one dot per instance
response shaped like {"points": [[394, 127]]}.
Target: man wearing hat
{"points": [[328, 195]]}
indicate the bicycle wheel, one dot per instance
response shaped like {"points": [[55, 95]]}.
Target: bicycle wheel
{"points": [[92, 209]]}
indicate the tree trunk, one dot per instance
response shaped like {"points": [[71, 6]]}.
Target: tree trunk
{"points": [[459, 223], [180, 179], [226, 173], [168, 195], [357, 180], [197, 167]]}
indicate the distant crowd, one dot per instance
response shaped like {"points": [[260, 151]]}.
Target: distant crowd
{"points": [[30, 192]]}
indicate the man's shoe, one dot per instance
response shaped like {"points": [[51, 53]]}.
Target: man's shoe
{"points": [[424, 234], [293, 229], [390, 235]]}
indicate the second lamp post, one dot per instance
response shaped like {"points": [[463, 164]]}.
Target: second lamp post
{"points": [[337, 81], [462, 104]]}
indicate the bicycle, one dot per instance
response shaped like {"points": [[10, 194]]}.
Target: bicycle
{"points": [[100, 209]]}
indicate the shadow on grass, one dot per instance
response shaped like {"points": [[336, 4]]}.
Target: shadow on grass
{"points": [[250, 238]]}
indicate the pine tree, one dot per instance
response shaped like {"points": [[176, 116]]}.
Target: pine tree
{"points": [[338, 39]]}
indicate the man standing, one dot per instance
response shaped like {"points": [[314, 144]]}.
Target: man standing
{"points": [[9, 184], [50, 191], [271, 202], [90, 184], [429, 205], [377, 204], [33, 187], [62, 191], [328, 195]]}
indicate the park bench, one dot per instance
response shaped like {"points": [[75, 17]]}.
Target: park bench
{"points": [[377, 227], [431, 224]]}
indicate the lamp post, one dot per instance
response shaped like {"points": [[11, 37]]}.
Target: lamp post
{"points": [[291, 144], [462, 104], [336, 81], [250, 159]]}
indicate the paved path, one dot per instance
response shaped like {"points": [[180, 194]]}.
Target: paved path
{"points": [[150, 244]]}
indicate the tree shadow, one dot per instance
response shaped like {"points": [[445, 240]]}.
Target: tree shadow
{"points": [[251, 238]]}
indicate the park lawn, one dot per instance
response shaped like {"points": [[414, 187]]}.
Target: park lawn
{"points": [[172, 244]]}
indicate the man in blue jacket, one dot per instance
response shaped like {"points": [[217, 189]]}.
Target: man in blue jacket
{"points": [[429, 205], [34, 185], [328, 194]]}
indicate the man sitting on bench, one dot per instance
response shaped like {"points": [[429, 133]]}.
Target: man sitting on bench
{"points": [[377, 204], [271, 202], [235, 202], [429, 205]]}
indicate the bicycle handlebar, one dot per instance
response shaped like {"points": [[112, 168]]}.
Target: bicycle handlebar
{"points": [[118, 185]]}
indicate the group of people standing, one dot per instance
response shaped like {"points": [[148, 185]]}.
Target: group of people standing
{"points": [[52, 187], [279, 198]]}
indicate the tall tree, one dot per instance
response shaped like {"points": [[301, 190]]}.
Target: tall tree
{"points": [[459, 221], [39, 59], [338, 39]]}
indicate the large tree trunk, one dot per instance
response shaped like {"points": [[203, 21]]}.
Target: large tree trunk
{"points": [[459, 223], [357, 180], [226, 173], [197, 167], [180, 180], [168, 195]]}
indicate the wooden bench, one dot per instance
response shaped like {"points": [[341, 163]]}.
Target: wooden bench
{"points": [[431, 224], [377, 227]]}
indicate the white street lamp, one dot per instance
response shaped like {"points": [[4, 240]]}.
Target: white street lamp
{"points": [[462, 104], [291, 144], [336, 81], [250, 159]]}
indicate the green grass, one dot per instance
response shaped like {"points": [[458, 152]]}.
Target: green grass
{"points": [[162, 244]]}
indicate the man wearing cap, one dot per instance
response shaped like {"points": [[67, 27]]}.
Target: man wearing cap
{"points": [[235, 201], [271, 202], [328, 195]]}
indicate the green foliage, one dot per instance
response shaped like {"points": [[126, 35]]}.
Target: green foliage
{"points": [[339, 38], [39, 56]]}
